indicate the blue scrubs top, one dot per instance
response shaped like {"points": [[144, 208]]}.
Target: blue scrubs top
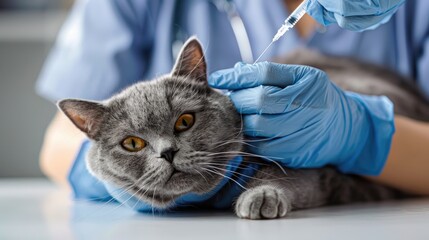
{"points": [[105, 46]]}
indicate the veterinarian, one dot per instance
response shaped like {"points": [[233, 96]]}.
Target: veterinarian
{"points": [[105, 46]]}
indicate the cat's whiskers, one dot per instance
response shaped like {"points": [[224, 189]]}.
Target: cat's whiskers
{"points": [[126, 190], [134, 194], [228, 165], [145, 177], [203, 156], [238, 173], [216, 161], [223, 175], [153, 200], [234, 141], [242, 141], [240, 132], [243, 154], [137, 192], [223, 159], [150, 186], [102, 206], [144, 193], [91, 200], [122, 191], [221, 164], [234, 153], [205, 179], [122, 203]]}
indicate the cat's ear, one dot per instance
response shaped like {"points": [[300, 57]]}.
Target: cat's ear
{"points": [[191, 62], [86, 115]]}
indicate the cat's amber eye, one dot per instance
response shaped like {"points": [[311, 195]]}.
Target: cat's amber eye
{"points": [[184, 122], [133, 144]]}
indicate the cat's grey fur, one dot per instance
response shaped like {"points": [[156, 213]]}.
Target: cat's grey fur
{"points": [[149, 110]]}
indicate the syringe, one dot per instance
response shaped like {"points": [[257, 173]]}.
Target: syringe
{"points": [[289, 23]]}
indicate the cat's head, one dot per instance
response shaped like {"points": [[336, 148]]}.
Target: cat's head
{"points": [[156, 138]]}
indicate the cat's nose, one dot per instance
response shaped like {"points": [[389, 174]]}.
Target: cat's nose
{"points": [[168, 154]]}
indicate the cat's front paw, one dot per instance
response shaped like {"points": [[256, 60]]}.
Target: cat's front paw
{"points": [[262, 202]]}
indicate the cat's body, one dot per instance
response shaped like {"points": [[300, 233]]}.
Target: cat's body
{"points": [[163, 139]]}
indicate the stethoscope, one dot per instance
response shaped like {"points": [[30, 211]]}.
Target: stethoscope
{"points": [[229, 8]]}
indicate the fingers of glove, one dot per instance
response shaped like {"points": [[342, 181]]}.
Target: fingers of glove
{"points": [[253, 75], [319, 13], [259, 100], [353, 15], [307, 93], [297, 122], [352, 8], [362, 23], [291, 151]]}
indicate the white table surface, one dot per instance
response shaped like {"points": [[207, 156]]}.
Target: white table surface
{"points": [[36, 209]]}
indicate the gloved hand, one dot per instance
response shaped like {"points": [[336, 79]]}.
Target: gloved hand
{"points": [[351, 14], [305, 120]]}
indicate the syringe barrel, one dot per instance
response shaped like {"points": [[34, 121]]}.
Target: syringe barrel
{"points": [[296, 14], [291, 20]]}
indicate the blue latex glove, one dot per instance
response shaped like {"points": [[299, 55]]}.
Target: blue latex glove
{"points": [[307, 121], [353, 15]]}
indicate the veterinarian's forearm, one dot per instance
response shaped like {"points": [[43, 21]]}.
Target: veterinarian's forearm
{"points": [[408, 163], [62, 141]]}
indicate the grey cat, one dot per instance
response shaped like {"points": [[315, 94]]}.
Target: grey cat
{"points": [[175, 135]]}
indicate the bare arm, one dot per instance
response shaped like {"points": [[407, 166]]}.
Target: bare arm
{"points": [[61, 143], [407, 167]]}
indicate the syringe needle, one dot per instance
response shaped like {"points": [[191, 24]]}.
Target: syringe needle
{"points": [[289, 23], [263, 52]]}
